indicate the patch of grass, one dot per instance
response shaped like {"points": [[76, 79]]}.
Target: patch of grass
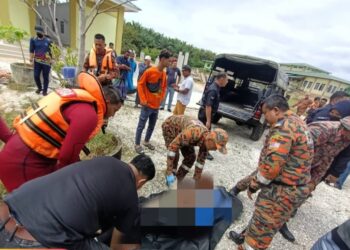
{"points": [[18, 87], [9, 117], [100, 145]]}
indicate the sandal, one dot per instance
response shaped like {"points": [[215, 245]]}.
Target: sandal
{"points": [[149, 146], [139, 149]]}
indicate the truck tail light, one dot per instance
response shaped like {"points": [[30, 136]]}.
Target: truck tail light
{"points": [[258, 113]]}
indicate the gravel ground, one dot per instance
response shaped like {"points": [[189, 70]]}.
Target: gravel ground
{"points": [[316, 217], [327, 208]]}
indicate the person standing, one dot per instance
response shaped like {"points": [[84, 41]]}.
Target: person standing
{"points": [[315, 105], [211, 100], [183, 133], [51, 134], [329, 139], [184, 91], [323, 102], [143, 66], [133, 66], [323, 114], [151, 88], [282, 176], [173, 78], [339, 109], [100, 61], [40, 55], [111, 47], [69, 208], [124, 67], [302, 105]]}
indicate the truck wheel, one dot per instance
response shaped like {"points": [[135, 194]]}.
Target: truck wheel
{"points": [[257, 132], [216, 118]]}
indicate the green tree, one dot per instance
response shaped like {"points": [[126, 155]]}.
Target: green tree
{"points": [[144, 39], [13, 35]]}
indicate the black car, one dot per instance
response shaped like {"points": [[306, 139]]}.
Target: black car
{"points": [[251, 80]]}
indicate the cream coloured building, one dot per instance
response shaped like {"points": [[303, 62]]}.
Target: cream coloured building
{"points": [[16, 13], [313, 80]]}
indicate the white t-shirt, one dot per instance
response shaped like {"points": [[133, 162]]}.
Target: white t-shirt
{"points": [[187, 83]]}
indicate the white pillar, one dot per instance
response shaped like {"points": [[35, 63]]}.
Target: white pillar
{"points": [[180, 60], [187, 55], [142, 56]]}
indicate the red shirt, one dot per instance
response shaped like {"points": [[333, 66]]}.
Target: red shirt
{"points": [[20, 164]]}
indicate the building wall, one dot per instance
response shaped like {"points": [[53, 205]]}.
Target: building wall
{"points": [[62, 15], [301, 68], [104, 24], [321, 87], [19, 15], [15, 12]]}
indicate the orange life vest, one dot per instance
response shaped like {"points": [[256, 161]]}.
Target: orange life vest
{"points": [[107, 62], [43, 128]]}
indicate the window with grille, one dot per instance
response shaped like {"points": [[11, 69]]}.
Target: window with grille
{"points": [[62, 26], [322, 87], [317, 85]]}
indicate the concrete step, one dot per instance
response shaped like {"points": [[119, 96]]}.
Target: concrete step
{"points": [[14, 46], [8, 60], [14, 52], [25, 43], [13, 55]]}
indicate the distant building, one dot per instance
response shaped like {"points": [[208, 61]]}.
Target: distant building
{"points": [[313, 80], [110, 23]]}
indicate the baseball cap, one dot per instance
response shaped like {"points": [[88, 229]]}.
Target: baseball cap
{"points": [[39, 29], [345, 122], [148, 58], [221, 137]]}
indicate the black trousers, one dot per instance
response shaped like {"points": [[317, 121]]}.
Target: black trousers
{"points": [[202, 116], [339, 164]]}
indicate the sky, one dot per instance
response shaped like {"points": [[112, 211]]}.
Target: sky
{"points": [[316, 32]]}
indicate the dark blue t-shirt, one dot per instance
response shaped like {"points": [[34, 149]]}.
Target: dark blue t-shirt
{"points": [[211, 97], [125, 61], [321, 114], [66, 208], [172, 74], [41, 49]]}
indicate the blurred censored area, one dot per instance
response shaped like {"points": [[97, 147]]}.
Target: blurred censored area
{"points": [[195, 215]]}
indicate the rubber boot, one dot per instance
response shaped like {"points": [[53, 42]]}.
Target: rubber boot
{"points": [[210, 157], [286, 233], [237, 238], [235, 191]]}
